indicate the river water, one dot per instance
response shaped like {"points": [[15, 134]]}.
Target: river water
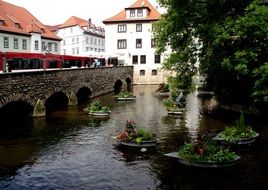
{"points": [[70, 150]]}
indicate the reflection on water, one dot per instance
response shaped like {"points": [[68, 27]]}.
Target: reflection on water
{"points": [[71, 150]]}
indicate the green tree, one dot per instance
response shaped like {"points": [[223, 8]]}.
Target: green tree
{"points": [[228, 38]]}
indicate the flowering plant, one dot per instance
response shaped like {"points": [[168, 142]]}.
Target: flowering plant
{"points": [[203, 151], [132, 134]]}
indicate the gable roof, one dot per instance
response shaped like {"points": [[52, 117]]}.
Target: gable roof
{"points": [[121, 16], [73, 21], [19, 20]]}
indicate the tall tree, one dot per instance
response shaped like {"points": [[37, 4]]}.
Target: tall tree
{"points": [[229, 40]]}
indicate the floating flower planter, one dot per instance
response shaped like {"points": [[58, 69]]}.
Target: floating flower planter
{"points": [[176, 111], [142, 144], [133, 137], [239, 134], [102, 114], [125, 96], [96, 109], [204, 164], [204, 154], [175, 106]]}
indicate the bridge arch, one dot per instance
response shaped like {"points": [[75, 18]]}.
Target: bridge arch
{"points": [[84, 93], [56, 100], [15, 111]]}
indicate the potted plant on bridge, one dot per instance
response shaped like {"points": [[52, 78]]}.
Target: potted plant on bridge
{"points": [[125, 96], [201, 153], [133, 137], [237, 134], [96, 109]]}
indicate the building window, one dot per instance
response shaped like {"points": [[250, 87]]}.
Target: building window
{"points": [[6, 42], [140, 12], [49, 46], [77, 51], [132, 13], [95, 41], [24, 44], [86, 40], [121, 44], [43, 46], [157, 58], [72, 40], [138, 43], [64, 51], [73, 51], [99, 43], [152, 42], [122, 28], [91, 40], [154, 72], [71, 30], [134, 59], [36, 44], [143, 59], [77, 40], [138, 27], [16, 43], [142, 72], [56, 47], [64, 42]]}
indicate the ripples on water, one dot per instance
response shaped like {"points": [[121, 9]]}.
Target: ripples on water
{"points": [[70, 150]]}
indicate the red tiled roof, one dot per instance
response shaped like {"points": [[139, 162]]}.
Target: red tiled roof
{"points": [[73, 21], [53, 28], [121, 17], [26, 23]]}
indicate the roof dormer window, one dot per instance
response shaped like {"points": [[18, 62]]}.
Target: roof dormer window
{"points": [[140, 13], [2, 20], [132, 13], [14, 20]]}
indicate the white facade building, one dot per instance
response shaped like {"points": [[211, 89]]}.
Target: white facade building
{"points": [[129, 37], [21, 32], [81, 38]]}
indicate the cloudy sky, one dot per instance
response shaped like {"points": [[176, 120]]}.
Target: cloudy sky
{"points": [[52, 12]]}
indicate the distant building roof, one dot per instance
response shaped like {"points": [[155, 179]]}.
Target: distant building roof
{"points": [[18, 20], [121, 16], [53, 28], [76, 21]]}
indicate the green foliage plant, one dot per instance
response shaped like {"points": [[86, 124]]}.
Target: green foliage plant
{"points": [[209, 152], [225, 41], [238, 132], [169, 104], [125, 94], [96, 106]]}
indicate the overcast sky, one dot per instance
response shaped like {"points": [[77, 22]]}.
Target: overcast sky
{"points": [[52, 12]]}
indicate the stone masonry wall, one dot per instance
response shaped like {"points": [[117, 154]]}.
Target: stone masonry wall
{"points": [[40, 85]]}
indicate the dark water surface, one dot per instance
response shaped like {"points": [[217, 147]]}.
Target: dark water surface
{"points": [[70, 150]]}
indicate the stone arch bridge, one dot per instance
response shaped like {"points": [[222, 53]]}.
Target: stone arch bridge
{"points": [[35, 87]]}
